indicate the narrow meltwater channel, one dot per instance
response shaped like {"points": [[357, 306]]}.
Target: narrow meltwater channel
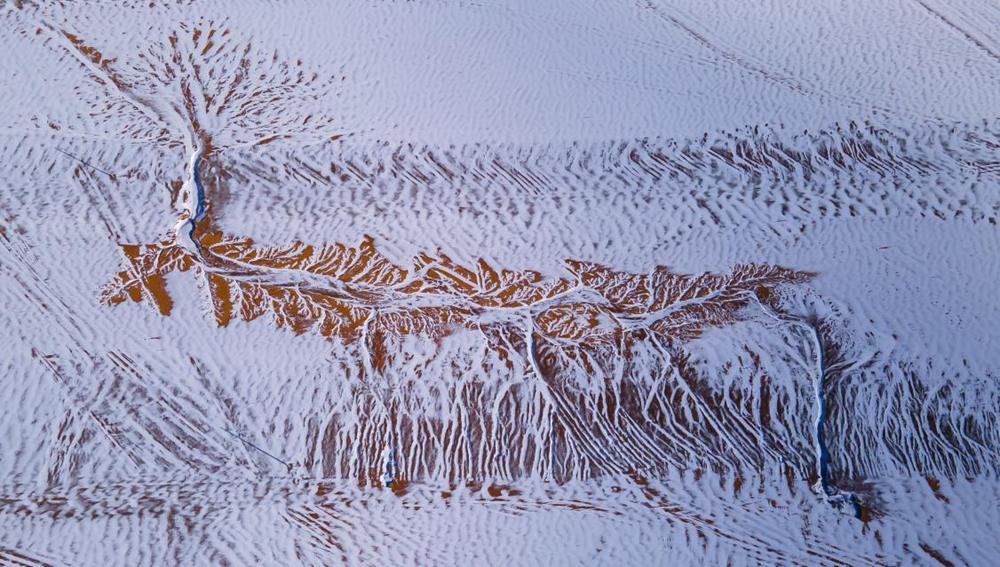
{"points": [[836, 497], [824, 483], [199, 209], [194, 204]]}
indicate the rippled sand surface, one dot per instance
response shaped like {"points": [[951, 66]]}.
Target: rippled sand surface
{"points": [[458, 283]]}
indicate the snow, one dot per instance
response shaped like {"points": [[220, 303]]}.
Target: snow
{"points": [[446, 145]]}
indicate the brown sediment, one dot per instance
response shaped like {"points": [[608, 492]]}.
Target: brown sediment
{"points": [[268, 140], [763, 294], [144, 278], [364, 285], [356, 295], [317, 519], [95, 57], [867, 500], [202, 72], [936, 555], [175, 187], [222, 304], [576, 321], [935, 486], [10, 556], [790, 477]]}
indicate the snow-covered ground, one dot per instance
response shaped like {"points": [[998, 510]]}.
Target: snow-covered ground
{"points": [[452, 282]]}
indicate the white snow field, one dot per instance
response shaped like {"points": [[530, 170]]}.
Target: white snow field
{"points": [[610, 282]]}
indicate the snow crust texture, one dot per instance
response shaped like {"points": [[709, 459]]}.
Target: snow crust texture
{"points": [[451, 283]]}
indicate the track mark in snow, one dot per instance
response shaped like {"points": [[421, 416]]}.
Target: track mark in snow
{"points": [[983, 45]]}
